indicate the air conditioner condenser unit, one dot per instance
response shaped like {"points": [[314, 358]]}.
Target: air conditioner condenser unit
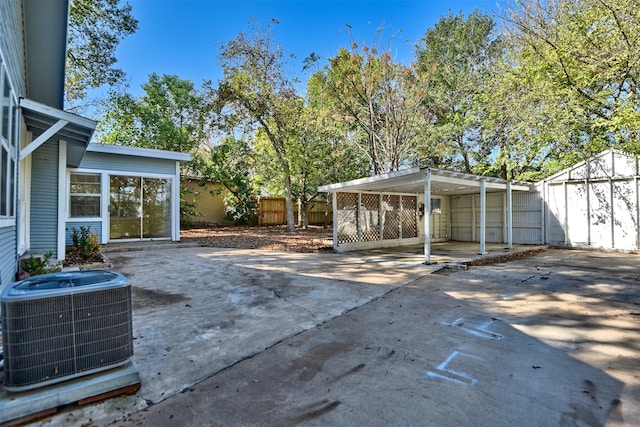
{"points": [[65, 325]]}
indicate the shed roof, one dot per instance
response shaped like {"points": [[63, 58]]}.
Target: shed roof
{"points": [[609, 163], [412, 180]]}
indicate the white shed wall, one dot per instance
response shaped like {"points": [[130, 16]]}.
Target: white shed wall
{"points": [[593, 213], [595, 203]]}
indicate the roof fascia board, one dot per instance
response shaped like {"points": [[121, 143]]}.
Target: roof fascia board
{"points": [[139, 152], [38, 107], [367, 180]]}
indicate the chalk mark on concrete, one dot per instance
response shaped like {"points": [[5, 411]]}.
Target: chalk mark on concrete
{"points": [[479, 329], [444, 372]]}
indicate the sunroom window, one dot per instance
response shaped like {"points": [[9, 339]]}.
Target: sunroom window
{"points": [[84, 195], [8, 147]]}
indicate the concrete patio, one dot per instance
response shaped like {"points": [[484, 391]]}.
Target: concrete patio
{"points": [[242, 337]]}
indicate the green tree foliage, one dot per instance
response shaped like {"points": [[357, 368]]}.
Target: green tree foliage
{"points": [[382, 102], [256, 93], [456, 54], [319, 155], [171, 115], [96, 27], [579, 58], [230, 163]]}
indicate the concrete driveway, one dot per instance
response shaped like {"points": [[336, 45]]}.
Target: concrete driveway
{"points": [[239, 337]]}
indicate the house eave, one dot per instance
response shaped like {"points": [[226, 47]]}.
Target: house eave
{"points": [[139, 152], [46, 49]]}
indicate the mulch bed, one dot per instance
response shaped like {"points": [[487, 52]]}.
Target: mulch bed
{"points": [[273, 238]]}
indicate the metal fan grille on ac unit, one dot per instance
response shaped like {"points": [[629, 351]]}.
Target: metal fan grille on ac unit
{"points": [[51, 339]]}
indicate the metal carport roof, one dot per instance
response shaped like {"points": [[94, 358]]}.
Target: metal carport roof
{"points": [[443, 182]]}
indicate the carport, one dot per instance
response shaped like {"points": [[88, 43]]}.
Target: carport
{"points": [[425, 205]]}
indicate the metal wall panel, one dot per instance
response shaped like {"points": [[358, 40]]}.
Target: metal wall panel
{"points": [[494, 220], [625, 165], [598, 213], [461, 218], [556, 214], [527, 218], [577, 224], [625, 219]]}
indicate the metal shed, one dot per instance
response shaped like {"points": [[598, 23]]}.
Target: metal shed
{"points": [[421, 205], [594, 204]]}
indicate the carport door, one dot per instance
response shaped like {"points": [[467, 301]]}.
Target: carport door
{"points": [[139, 208]]}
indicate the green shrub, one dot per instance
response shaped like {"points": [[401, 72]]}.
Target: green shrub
{"points": [[36, 266], [85, 242]]}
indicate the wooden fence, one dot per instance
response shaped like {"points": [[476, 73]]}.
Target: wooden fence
{"points": [[271, 211]]}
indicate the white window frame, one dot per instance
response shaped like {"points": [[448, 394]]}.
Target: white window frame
{"points": [[174, 182], [10, 145], [98, 195]]}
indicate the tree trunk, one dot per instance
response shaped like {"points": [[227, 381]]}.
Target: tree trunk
{"points": [[288, 203]]}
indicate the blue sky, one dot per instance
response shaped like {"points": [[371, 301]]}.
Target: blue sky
{"points": [[183, 37]]}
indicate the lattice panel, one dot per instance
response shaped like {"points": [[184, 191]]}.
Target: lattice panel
{"points": [[363, 217], [347, 207], [369, 217], [390, 216], [409, 221]]}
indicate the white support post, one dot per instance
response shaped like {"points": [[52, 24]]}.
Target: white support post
{"points": [[334, 200], [566, 212], [509, 216], [635, 182], [587, 187], [613, 209], [427, 217], [359, 217], [381, 218], [483, 216], [62, 200]]}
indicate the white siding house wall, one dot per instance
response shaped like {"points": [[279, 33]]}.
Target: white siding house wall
{"points": [[12, 43], [44, 199]]}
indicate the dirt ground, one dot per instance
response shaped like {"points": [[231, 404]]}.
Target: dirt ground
{"points": [[272, 238]]}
